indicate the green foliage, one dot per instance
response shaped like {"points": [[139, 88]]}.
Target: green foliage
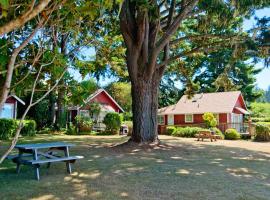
{"points": [[210, 120], [113, 121], [84, 123], [232, 134], [81, 91], [260, 110], [8, 128], [40, 113], [29, 128], [217, 132], [260, 119], [121, 92], [127, 116], [71, 130], [94, 111], [170, 130], [187, 131], [262, 132]]}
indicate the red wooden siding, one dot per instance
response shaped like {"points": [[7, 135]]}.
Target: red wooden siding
{"points": [[11, 100], [103, 98], [239, 103], [223, 118], [179, 119]]}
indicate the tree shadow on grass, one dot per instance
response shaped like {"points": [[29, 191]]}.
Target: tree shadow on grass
{"points": [[172, 170]]}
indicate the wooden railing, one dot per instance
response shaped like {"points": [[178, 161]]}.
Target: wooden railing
{"points": [[243, 128]]}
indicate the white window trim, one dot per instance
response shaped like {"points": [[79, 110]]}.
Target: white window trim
{"points": [[217, 117], [163, 120], [170, 124], [189, 121]]}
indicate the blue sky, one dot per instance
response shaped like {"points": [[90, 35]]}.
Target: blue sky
{"points": [[263, 78]]}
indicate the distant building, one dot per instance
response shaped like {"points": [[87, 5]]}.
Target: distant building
{"points": [[106, 102], [228, 107], [9, 111]]}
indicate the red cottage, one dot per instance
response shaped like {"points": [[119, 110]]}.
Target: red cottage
{"points": [[9, 111], [228, 107], [106, 102]]}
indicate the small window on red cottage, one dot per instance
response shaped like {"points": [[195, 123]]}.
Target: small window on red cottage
{"points": [[188, 118]]}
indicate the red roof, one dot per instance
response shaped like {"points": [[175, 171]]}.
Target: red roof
{"points": [[219, 102]]}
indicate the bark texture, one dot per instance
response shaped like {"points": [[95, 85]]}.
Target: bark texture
{"points": [[147, 40]]}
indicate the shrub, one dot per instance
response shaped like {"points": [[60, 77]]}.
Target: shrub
{"points": [[260, 119], [210, 119], [113, 121], [84, 123], [170, 130], [232, 134], [262, 132], [186, 131], [218, 132], [71, 130], [127, 116], [29, 128], [8, 128]]}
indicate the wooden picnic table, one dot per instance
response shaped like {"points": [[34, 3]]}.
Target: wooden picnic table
{"points": [[43, 153], [207, 134]]}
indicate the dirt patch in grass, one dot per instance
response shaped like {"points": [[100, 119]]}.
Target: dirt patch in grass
{"points": [[179, 168]]}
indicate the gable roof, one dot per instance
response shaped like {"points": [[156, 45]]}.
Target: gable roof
{"points": [[17, 98], [96, 93], [219, 102]]}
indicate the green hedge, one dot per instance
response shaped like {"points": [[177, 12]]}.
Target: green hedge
{"points": [[262, 132], [29, 128], [170, 130], [8, 128], [186, 131], [232, 134], [189, 132]]}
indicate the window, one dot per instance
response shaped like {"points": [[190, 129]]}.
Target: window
{"points": [[161, 119], [84, 113], [7, 111], [170, 119], [189, 118]]}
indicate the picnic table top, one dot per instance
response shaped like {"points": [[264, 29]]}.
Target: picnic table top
{"points": [[43, 145]]}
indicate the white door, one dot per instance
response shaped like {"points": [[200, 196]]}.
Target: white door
{"points": [[170, 119]]}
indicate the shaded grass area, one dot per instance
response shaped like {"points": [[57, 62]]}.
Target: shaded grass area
{"points": [[177, 169]]}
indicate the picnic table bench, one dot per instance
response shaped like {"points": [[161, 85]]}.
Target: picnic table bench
{"points": [[34, 155], [207, 135]]}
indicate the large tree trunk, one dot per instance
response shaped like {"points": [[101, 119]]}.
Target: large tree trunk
{"points": [[144, 108], [60, 117], [147, 33], [52, 108]]}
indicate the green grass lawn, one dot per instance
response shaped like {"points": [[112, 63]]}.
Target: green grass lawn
{"points": [[178, 169]]}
